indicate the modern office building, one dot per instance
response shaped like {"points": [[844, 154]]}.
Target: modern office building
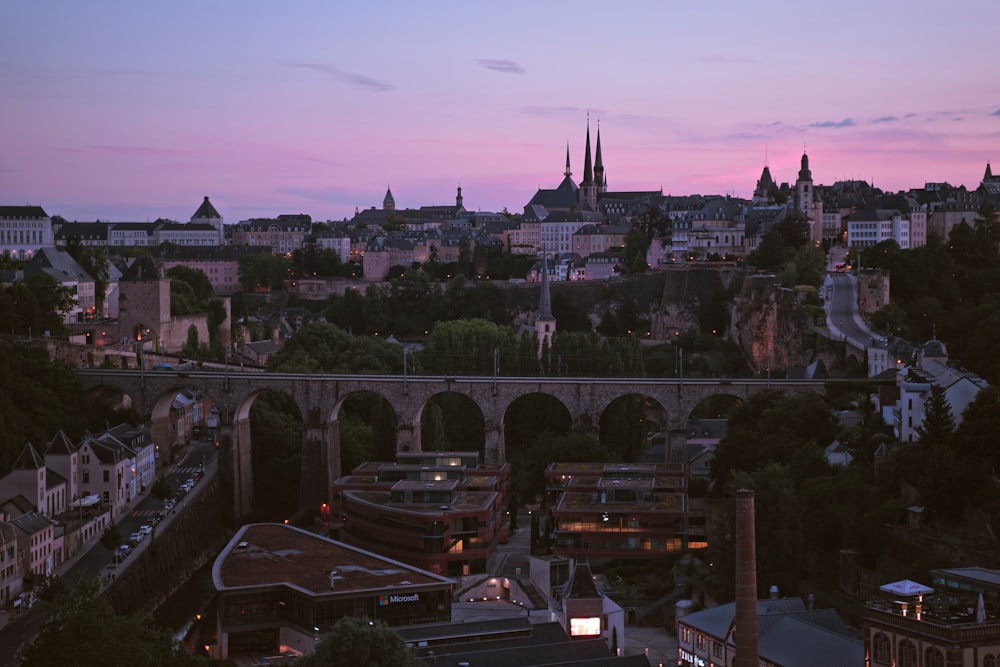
{"points": [[603, 511], [440, 511], [278, 588]]}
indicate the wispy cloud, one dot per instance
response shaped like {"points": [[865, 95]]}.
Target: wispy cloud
{"points": [[886, 119], [727, 59], [499, 65], [553, 111], [996, 113], [847, 122], [957, 119], [362, 81], [126, 150]]}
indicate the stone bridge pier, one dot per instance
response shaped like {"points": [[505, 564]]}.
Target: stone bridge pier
{"points": [[320, 398]]}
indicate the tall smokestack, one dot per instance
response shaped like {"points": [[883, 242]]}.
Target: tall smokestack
{"points": [[747, 650]]}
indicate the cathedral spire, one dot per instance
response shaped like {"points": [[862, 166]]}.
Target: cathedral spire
{"points": [[599, 163], [588, 171], [568, 172]]}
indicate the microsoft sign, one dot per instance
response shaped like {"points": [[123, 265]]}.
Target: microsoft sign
{"points": [[384, 600]]}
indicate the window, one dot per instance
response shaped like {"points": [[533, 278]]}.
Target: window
{"points": [[700, 645], [933, 658], [907, 654], [107, 476], [989, 661], [716, 649], [686, 635]]}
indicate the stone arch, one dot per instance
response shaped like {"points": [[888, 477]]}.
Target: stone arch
{"points": [[628, 424], [707, 423], [451, 403], [173, 428], [352, 404], [239, 452]]}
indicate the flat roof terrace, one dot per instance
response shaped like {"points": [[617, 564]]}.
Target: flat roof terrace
{"points": [[268, 554]]}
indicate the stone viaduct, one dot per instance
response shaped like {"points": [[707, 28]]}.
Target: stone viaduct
{"points": [[320, 398]]}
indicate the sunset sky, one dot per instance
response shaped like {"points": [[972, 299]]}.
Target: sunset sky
{"points": [[128, 111]]}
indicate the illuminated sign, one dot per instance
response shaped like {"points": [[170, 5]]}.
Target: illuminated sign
{"points": [[384, 600], [691, 658], [585, 627]]}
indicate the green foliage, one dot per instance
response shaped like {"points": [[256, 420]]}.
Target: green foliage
{"points": [[636, 245], [528, 464], [37, 397], [328, 348], [160, 488], [276, 432], [770, 427], [196, 281], [83, 629], [367, 430], [452, 422], [357, 641], [472, 347], [263, 271], [111, 538]]}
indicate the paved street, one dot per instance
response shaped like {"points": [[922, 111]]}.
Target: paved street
{"points": [[16, 630]]}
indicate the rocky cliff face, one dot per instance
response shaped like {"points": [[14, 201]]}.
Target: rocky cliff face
{"points": [[695, 298], [771, 324]]}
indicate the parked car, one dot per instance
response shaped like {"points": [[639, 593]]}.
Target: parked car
{"points": [[145, 529], [136, 537], [123, 550]]}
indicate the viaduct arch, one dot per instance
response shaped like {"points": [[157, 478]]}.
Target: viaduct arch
{"points": [[320, 398]]}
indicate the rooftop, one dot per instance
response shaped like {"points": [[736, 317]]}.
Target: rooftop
{"points": [[268, 554]]}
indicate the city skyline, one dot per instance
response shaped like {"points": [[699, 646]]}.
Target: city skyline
{"points": [[129, 113]]}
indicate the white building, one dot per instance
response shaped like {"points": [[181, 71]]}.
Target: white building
{"points": [[23, 230], [873, 226], [960, 388]]}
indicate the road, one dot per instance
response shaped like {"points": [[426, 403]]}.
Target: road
{"points": [[843, 316], [90, 564]]}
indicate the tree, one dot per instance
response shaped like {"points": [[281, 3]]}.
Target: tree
{"points": [[939, 423], [636, 245], [263, 271], [358, 641], [83, 629]]}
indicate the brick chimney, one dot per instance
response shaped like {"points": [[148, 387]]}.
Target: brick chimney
{"points": [[746, 639]]}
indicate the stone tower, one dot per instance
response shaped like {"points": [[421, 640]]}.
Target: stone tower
{"points": [[804, 188], [545, 323]]}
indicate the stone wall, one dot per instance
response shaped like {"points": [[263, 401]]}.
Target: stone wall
{"points": [[174, 551]]}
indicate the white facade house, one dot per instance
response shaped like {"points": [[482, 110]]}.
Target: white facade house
{"points": [[960, 388], [23, 230], [873, 226]]}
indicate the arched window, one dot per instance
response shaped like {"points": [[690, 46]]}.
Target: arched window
{"points": [[989, 661], [933, 658], [907, 654], [881, 649]]}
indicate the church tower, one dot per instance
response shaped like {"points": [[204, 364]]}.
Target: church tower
{"points": [[588, 188], [545, 323], [804, 188], [389, 203], [459, 202], [602, 184]]}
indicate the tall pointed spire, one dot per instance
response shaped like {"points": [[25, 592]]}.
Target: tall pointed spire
{"points": [[545, 323], [588, 171], [587, 196], [599, 163], [568, 171]]}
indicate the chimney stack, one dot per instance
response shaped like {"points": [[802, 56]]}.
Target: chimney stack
{"points": [[747, 649]]}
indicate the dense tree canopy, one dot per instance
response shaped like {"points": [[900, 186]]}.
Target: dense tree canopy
{"points": [[83, 629], [358, 641]]}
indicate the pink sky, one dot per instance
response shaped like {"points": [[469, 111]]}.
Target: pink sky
{"points": [[133, 111]]}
